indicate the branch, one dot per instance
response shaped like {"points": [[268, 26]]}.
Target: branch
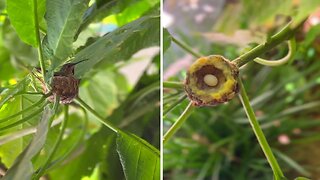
{"points": [[283, 35]]}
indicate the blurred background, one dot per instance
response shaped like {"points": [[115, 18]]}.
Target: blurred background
{"points": [[218, 142], [118, 89]]}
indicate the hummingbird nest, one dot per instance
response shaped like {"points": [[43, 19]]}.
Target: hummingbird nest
{"points": [[211, 81], [64, 84]]}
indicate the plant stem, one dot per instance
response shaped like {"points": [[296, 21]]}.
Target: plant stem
{"points": [[40, 53], [173, 85], [32, 93], [56, 162], [174, 128], [100, 118], [285, 34], [57, 143], [186, 47], [174, 104], [259, 133], [287, 58], [23, 119], [23, 111]]}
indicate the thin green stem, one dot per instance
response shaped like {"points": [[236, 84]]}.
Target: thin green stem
{"points": [[174, 128], [76, 144], [173, 85], [57, 143], [278, 62], [40, 53], [23, 119], [23, 111], [186, 47], [100, 118], [31, 93], [285, 34], [174, 104], [259, 133], [146, 90]]}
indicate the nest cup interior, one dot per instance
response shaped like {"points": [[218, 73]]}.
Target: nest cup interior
{"points": [[206, 70]]}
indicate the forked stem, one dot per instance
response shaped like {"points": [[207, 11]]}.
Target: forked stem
{"points": [[287, 58], [186, 47], [259, 133], [284, 34], [174, 128]]}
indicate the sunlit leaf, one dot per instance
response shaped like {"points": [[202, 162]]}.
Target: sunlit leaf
{"points": [[120, 44], [134, 11], [63, 20], [9, 151], [16, 47], [22, 15], [9, 93], [22, 168]]}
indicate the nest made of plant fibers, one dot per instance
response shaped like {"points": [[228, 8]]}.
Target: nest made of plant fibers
{"points": [[218, 69]]}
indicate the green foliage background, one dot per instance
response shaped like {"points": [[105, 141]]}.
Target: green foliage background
{"points": [[218, 142], [73, 31]]}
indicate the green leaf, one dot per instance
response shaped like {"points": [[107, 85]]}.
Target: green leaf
{"points": [[302, 178], [139, 159], [17, 48], [290, 162], [94, 152], [22, 14], [6, 69], [103, 100], [166, 39], [10, 150], [22, 167], [9, 93], [120, 44], [63, 20], [122, 11], [76, 129], [2, 5], [133, 11]]}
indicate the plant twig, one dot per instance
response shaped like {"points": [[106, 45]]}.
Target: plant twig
{"points": [[23, 132], [57, 143], [186, 47], [174, 104], [285, 34], [287, 58], [259, 133], [23, 111], [54, 163], [40, 53], [173, 85], [100, 118], [23, 119], [174, 128]]}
